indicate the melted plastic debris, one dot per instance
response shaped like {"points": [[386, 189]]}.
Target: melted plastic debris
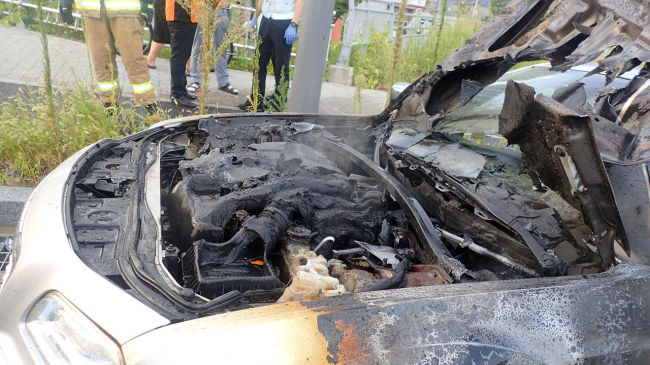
{"points": [[312, 280], [458, 161]]}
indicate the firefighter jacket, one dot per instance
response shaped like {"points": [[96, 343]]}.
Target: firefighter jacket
{"points": [[114, 8]]}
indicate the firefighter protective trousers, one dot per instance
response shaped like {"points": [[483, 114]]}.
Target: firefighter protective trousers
{"points": [[124, 35]]}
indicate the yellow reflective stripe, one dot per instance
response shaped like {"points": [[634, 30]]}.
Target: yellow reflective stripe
{"points": [[108, 86], [142, 88], [110, 5], [122, 5], [88, 5]]}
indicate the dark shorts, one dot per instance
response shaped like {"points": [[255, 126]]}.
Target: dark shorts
{"points": [[160, 27]]}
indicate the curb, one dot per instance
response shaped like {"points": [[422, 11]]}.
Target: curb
{"points": [[12, 200]]}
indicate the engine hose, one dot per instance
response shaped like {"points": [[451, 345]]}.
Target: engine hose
{"points": [[392, 282]]}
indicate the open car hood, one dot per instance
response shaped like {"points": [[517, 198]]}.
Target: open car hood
{"points": [[594, 156]]}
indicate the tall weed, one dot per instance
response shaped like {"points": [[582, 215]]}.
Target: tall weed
{"points": [[397, 45]]}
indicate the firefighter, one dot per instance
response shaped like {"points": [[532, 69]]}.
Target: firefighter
{"points": [[111, 26]]}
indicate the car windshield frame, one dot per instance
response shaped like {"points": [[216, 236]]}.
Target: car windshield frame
{"points": [[480, 116]]}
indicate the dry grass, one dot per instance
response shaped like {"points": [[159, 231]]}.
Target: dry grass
{"points": [[30, 146]]}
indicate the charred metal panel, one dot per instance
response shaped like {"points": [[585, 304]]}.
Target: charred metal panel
{"points": [[564, 32], [538, 228], [600, 318], [559, 146], [631, 187]]}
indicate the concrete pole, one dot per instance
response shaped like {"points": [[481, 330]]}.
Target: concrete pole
{"points": [[314, 36], [344, 56]]}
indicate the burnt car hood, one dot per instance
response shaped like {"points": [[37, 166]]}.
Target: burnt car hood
{"points": [[531, 321], [594, 156]]}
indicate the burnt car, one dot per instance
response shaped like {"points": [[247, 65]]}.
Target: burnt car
{"points": [[483, 217]]}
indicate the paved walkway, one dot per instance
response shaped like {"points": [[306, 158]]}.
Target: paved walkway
{"points": [[21, 62]]}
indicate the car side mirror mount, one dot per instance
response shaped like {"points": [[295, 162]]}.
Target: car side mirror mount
{"points": [[397, 89]]}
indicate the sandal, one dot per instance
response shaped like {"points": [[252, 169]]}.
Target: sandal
{"points": [[229, 89], [194, 87]]}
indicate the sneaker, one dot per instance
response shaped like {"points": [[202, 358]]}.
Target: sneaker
{"points": [[184, 102], [247, 106], [194, 88]]}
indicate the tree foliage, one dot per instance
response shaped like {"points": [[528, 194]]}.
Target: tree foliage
{"points": [[341, 7], [497, 6]]}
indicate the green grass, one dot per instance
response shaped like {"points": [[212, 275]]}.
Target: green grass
{"points": [[165, 53], [30, 146]]}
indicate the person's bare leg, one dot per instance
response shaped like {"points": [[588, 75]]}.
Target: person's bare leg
{"points": [[153, 53]]}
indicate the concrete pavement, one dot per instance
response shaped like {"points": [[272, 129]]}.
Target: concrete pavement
{"points": [[21, 63]]}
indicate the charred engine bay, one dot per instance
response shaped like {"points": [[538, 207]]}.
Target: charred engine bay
{"points": [[264, 212], [281, 212]]}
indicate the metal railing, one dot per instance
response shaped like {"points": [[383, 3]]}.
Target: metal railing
{"points": [[51, 15], [381, 16]]}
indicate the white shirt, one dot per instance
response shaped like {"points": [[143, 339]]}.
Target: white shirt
{"points": [[278, 9]]}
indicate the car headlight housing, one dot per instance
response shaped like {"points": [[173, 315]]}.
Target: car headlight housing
{"points": [[64, 335]]}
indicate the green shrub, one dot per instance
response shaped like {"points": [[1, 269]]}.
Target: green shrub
{"points": [[372, 60], [9, 14], [419, 55], [332, 56]]}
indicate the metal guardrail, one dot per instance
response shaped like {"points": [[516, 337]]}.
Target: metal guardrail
{"points": [[367, 17], [381, 16], [51, 16]]}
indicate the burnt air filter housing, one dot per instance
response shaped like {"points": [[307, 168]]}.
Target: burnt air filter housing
{"points": [[212, 280]]}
